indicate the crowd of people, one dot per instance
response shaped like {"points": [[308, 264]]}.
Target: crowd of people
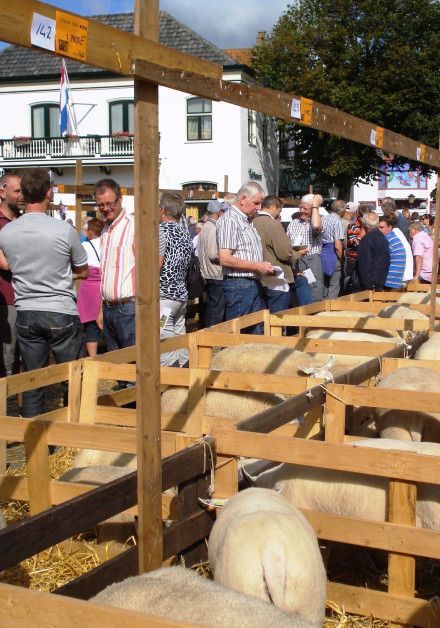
{"points": [[248, 261]]}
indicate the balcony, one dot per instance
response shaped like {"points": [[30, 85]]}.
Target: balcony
{"points": [[64, 151]]}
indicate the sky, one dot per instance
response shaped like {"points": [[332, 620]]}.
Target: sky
{"points": [[226, 23]]}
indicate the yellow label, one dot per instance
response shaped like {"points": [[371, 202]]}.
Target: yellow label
{"points": [[71, 36], [124, 191], [60, 187], [379, 137], [422, 152], [306, 110]]}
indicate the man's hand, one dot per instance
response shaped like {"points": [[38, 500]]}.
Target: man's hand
{"points": [[100, 320], [265, 268], [317, 200]]}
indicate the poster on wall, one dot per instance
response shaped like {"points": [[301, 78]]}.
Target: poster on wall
{"points": [[401, 178]]}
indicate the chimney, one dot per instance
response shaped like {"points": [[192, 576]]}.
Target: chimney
{"points": [[261, 37]]}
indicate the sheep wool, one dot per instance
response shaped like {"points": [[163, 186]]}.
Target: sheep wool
{"points": [[429, 350], [181, 594], [405, 424], [261, 546], [352, 494]]}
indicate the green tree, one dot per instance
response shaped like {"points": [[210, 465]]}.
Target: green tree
{"points": [[376, 60]]}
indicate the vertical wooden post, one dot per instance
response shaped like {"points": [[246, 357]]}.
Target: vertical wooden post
{"points": [[37, 461], [334, 419], [3, 412], [436, 238], [146, 189], [78, 202]]}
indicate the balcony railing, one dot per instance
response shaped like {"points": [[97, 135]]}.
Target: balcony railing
{"points": [[59, 147]]}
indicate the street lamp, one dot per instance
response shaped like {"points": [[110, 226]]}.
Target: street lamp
{"points": [[333, 192]]}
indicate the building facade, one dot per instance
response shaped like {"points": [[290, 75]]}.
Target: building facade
{"points": [[203, 144]]}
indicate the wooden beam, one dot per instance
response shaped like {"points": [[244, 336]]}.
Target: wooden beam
{"points": [[35, 608], [30, 536], [392, 399], [146, 184], [387, 464], [360, 324], [108, 48], [37, 461], [271, 102]]}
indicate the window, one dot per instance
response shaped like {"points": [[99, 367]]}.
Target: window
{"points": [[121, 116], [252, 127], [45, 120], [199, 119]]}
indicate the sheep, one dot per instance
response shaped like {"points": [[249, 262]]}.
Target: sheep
{"points": [[119, 527], [416, 297], [181, 594], [410, 425], [352, 494], [377, 335], [95, 457], [226, 404], [429, 350], [402, 312], [282, 563], [270, 358]]}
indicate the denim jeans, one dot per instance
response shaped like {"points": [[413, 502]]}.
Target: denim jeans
{"points": [[243, 296], [276, 301], [119, 325], [215, 311], [301, 293], [37, 333]]}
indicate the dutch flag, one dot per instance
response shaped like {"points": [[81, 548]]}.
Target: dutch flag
{"points": [[67, 116]]}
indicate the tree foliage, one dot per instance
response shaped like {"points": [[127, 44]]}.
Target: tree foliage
{"points": [[376, 60]]}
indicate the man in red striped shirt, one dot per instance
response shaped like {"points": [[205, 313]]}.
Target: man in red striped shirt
{"points": [[117, 267]]}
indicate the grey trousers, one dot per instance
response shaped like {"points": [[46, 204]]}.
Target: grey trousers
{"points": [[175, 326], [333, 283], [313, 262], [8, 316]]}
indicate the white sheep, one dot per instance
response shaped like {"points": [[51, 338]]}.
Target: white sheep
{"points": [[95, 457], [352, 494], [416, 297], [275, 359], [262, 546], [227, 404], [414, 424], [399, 311], [376, 335], [429, 350], [181, 594]]}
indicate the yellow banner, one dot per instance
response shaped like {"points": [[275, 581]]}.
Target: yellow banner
{"points": [[71, 36], [379, 137], [306, 110]]}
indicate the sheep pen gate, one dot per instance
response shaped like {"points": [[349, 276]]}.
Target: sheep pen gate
{"points": [[398, 536]]}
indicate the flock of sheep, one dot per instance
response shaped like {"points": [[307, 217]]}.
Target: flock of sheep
{"points": [[263, 553]]}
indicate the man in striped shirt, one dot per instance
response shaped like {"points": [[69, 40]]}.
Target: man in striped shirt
{"points": [[241, 254], [306, 231], [394, 279], [117, 267]]}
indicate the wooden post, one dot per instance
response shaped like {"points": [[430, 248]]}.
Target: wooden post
{"points": [[436, 238], [146, 185], [78, 201], [3, 411]]}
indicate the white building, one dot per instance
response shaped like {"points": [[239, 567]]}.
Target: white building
{"points": [[203, 144]]}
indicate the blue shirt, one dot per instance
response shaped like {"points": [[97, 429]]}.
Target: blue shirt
{"points": [[397, 261]]}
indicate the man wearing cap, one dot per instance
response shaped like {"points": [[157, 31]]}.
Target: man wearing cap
{"points": [[211, 269]]}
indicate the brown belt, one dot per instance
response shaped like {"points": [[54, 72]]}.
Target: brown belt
{"points": [[118, 301]]}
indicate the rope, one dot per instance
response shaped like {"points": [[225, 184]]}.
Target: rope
{"points": [[206, 445]]}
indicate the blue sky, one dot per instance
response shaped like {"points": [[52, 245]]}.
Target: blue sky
{"points": [[226, 23]]}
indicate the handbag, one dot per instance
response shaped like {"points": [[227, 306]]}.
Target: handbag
{"points": [[195, 282]]}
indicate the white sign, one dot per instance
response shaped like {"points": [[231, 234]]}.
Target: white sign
{"points": [[43, 32], [373, 137], [295, 109], [418, 153]]}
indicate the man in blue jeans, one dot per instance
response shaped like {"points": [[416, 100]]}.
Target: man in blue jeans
{"points": [[277, 249], [45, 256], [240, 252]]}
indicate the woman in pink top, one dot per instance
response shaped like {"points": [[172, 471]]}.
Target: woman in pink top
{"points": [[89, 294], [422, 248]]}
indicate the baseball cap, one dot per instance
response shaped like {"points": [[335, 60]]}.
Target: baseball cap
{"points": [[352, 206], [213, 207]]}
